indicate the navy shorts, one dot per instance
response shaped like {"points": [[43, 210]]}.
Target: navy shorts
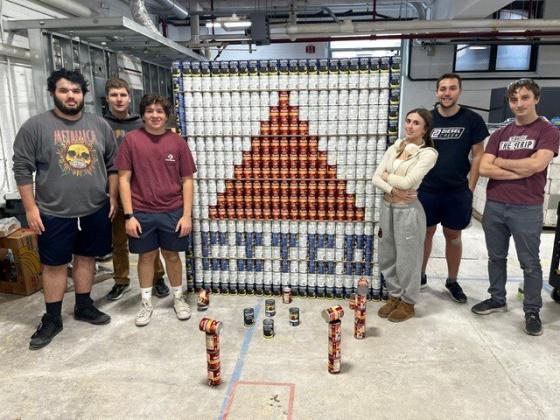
{"points": [[452, 209], [89, 236], [158, 231]]}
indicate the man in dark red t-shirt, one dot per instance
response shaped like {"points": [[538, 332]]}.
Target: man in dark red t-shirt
{"points": [[516, 161], [156, 188]]}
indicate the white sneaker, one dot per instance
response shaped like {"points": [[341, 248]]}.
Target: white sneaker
{"points": [[145, 314], [182, 308]]}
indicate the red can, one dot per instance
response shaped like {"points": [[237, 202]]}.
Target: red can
{"points": [[258, 213], [331, 172], [311, 213], [334, 313], [303, 145], [284, 113], [283, 98], [238, 171], [302, 212], [248, 172], [265, 128], [240, 212], [212, 342], [341, 215], [213, 212], [360, 214], [284, 129], [303, 173], [303, 128], [249, 214], [293, 129], [350, 214], [266, 202], [274, 112], [267, 213], [214, 377], [274, 129]]}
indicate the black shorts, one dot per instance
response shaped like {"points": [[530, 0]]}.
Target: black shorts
{"points": [[89, 236], [158, 231], [452, 209]]}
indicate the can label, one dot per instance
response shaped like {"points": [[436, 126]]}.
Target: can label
{"points": [[286, 295], [294, 317], [203, 300], [270, 307], [248, 317], [268, 328], [212, 342], [334, 313]]}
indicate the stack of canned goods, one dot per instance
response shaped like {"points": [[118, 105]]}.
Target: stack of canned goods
{"points": [[334, 316], [358, 304], [285, 152], [212, 328]]}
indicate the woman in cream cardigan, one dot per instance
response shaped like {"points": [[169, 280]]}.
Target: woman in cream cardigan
{"points": [[402, 220]]}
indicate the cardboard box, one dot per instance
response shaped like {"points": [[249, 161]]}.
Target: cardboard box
{"points": [[20, 268]]}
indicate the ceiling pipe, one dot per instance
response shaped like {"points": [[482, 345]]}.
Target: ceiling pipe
{"points": [[350, 28], [209, 40], [72, 7], [14, 52], [140, 15], [175, 8]]}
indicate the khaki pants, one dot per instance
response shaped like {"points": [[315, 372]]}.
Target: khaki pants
{"points": [[121, 265]]}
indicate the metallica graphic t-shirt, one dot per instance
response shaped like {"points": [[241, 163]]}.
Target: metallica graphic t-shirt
{"points": [[519, 142], [453, 138], [70, 160]]}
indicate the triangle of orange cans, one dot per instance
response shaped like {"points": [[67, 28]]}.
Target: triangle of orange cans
{"points": [[285, 176]]}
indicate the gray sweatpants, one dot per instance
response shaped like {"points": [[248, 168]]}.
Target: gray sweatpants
{"points": [[401, 248], [524, 223]]}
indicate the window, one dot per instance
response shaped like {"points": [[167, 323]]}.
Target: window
{"points": [[365, 48], [516, 56]]}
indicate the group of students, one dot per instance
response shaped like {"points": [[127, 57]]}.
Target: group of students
{"points": [[66, 163], [427, 178]]}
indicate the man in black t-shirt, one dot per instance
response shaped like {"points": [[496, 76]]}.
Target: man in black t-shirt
{"points": [[446, 192]]}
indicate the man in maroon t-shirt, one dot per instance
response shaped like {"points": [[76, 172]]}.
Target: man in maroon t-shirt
{"points": [[516, 161], [156, 188]]}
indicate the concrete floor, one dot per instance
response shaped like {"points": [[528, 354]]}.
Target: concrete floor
{"points": [[445, 364]]}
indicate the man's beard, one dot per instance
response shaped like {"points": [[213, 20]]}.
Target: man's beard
{"points": [[65, 110], [447, 106]]}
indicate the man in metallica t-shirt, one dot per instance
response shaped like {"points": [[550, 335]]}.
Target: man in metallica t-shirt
{"points": [[516, 161]]}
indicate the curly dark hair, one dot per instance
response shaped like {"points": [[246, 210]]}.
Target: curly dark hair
{"points": [[74, 76], [150, 99]]}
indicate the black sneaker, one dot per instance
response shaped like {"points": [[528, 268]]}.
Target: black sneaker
{"points": [[423, 281], [117, 291], [488, 306], [533, 324], [160, 289], [91, 314], [49, 327], [555, 295], [456, 292]]}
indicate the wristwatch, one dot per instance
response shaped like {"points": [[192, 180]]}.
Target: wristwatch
{"points": [[128, 216]]}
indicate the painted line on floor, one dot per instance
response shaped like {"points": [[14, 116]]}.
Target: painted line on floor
{"points": [[247, 337], [290, 400]]}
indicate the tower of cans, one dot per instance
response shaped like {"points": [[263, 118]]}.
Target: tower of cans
{"points": [[285, 152], [333, 316], [212, 328], [358, 303]]}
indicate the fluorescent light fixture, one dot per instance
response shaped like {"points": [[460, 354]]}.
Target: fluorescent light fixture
{"points": [[478, 47], [210, 24], [241, 24]]}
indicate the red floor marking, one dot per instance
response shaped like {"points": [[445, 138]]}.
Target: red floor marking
{"points": [[290, 402]]}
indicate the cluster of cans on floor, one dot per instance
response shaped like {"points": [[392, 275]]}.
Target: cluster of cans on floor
{"points": [[333, 316]]}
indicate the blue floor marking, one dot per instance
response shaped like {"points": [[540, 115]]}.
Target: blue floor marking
{"points": [[241, 359]]}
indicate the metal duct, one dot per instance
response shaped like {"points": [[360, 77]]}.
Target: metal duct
{"points": [[15, 52], [72, 7], [174, 8], [140, 15]]}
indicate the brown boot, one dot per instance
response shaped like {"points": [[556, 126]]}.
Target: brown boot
{"points": [[386, 309], [402, 312]]}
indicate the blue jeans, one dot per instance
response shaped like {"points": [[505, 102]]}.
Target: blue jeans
{"points": [[524, 223]]}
